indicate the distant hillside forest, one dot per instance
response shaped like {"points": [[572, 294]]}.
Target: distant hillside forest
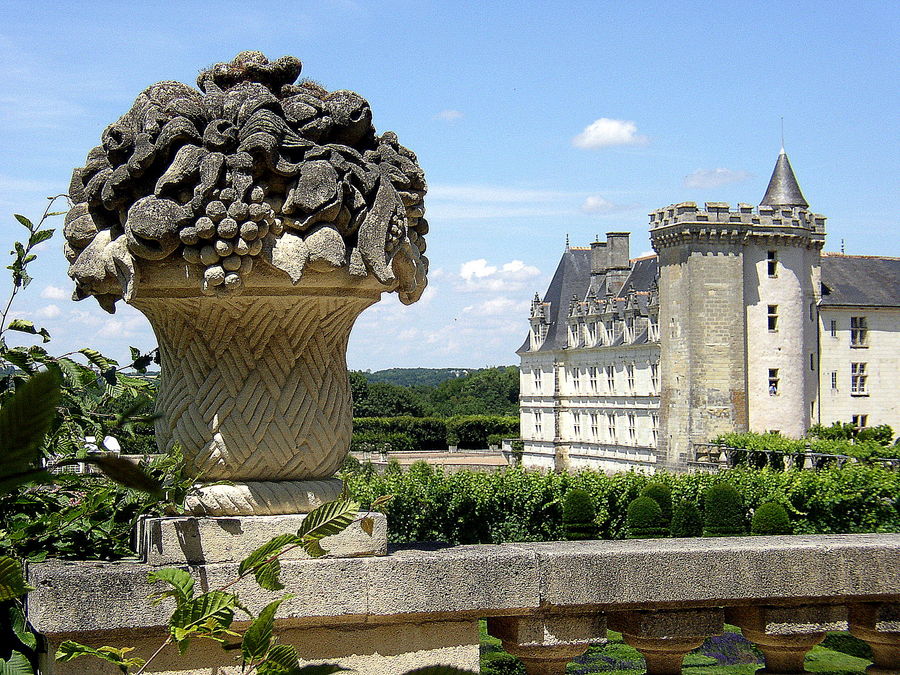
{"points": [[439, 392]]}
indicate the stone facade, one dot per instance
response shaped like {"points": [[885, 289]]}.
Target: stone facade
{"points": [[738, 323]]}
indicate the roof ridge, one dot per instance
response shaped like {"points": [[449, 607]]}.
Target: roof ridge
{"points": [[835, 254]]}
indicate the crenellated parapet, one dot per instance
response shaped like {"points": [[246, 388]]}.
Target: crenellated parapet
{"points": [[718, 223]]}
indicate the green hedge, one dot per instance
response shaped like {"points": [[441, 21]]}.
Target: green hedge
{"points": [[519, 505], [430, 433], [773, 442]]}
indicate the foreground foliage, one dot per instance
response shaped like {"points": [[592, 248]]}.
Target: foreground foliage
{"points": [[520, 505]]}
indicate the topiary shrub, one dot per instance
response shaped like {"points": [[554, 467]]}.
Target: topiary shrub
{"points": [[644, 519], [578, 516], [662, 495], [770, 518], [501, 663], [686, 521], [723, 512]]}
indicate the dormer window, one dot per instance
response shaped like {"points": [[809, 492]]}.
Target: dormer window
{"points": [[772, 263]]}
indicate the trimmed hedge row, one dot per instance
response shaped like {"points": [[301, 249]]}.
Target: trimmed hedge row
{"points": [[431, 433], [769, 442], [519, 505]]}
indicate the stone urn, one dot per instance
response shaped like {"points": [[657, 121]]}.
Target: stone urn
{"points": [[251, 221]]}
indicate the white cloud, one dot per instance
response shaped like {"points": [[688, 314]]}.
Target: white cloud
{"points": [[710, 178], [49, 312], [449, 115], [54, 293], [477, 275], [597, 204], [606, 132], [498, 307]]}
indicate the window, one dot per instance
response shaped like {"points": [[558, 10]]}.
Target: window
{"points": [[576, 425], [573, 335], [576, 383], [610, 334], [591, 333], [654, 377], [834, 379], [610, 379], [833, 330], [595, 424], [537, 381], [629, 371], [812, 311], [772, 263], [860, 421], [812, 361], [858, 379], [859, 332], [654, 427], [592, 379], [653, 332], [632, 433], [537, 424], [611, 427], [629, 329], [773, 318], [773, 381]]}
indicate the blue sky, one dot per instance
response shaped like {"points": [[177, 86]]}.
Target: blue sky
{"points": [[532, 121]]}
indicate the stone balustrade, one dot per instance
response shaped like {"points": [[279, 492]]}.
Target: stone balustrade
{"points": [[547, 602]]}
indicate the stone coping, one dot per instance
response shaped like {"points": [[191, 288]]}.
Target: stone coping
{"points": [[497, 580]]}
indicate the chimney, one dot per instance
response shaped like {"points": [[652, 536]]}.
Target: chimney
{"points": [[599, 257], [617, 258]]}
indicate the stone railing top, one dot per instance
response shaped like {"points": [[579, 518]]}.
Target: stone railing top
{"points": [[251, 181], [501, 580]]}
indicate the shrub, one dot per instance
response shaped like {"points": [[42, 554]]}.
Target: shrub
{"points": [[723, 512], [382, 441], [494, 439], [473, 430], [427, 433], [645, 519], [578, 515], [662, 495], [770, 518], [686, 521], [501, 663], [452, 439]]}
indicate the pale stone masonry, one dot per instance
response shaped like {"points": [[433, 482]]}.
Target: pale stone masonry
{"points": [[738, 323]]}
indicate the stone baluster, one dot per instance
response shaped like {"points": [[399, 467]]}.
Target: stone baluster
{"points": [[786, 634], [664, 637], [879, 625], [545, 644]]}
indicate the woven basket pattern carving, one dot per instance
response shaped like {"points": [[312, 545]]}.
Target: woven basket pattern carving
{"points": [[255, 388]]}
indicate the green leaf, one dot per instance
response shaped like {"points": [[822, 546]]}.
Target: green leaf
{"points": [[70, 650], [20, 358], [20, 627], [328, 519], [23, 326], [12, 581], [22, 219], [24, 421], [215, 605], [39, 236], [258, 637], [280, 659], [16, 664], [266, 573], [97, 359], [182, 584], [125, 472], [321, 669]]}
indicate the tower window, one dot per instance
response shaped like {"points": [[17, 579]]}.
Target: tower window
{"points": [[654, 376], [833, 330], [858, 379], [654, 420], [834, 380], [773, 381], [812, 361], [859, 332], [537, 424], [772, 263], [537, 381], [773, 318]]}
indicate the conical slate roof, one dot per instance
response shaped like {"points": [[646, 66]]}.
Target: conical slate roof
{"points": [[783, 188]]}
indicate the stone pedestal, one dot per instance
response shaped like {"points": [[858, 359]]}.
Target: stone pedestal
{"points": [[879, 625], [545, 644]]}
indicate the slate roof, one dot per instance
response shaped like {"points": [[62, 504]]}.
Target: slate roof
{"points": [[860, 280], [573, 277], [783, 189]]}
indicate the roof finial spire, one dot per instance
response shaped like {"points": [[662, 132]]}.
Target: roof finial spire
{"points": [[567, 240], [782, 135]]}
